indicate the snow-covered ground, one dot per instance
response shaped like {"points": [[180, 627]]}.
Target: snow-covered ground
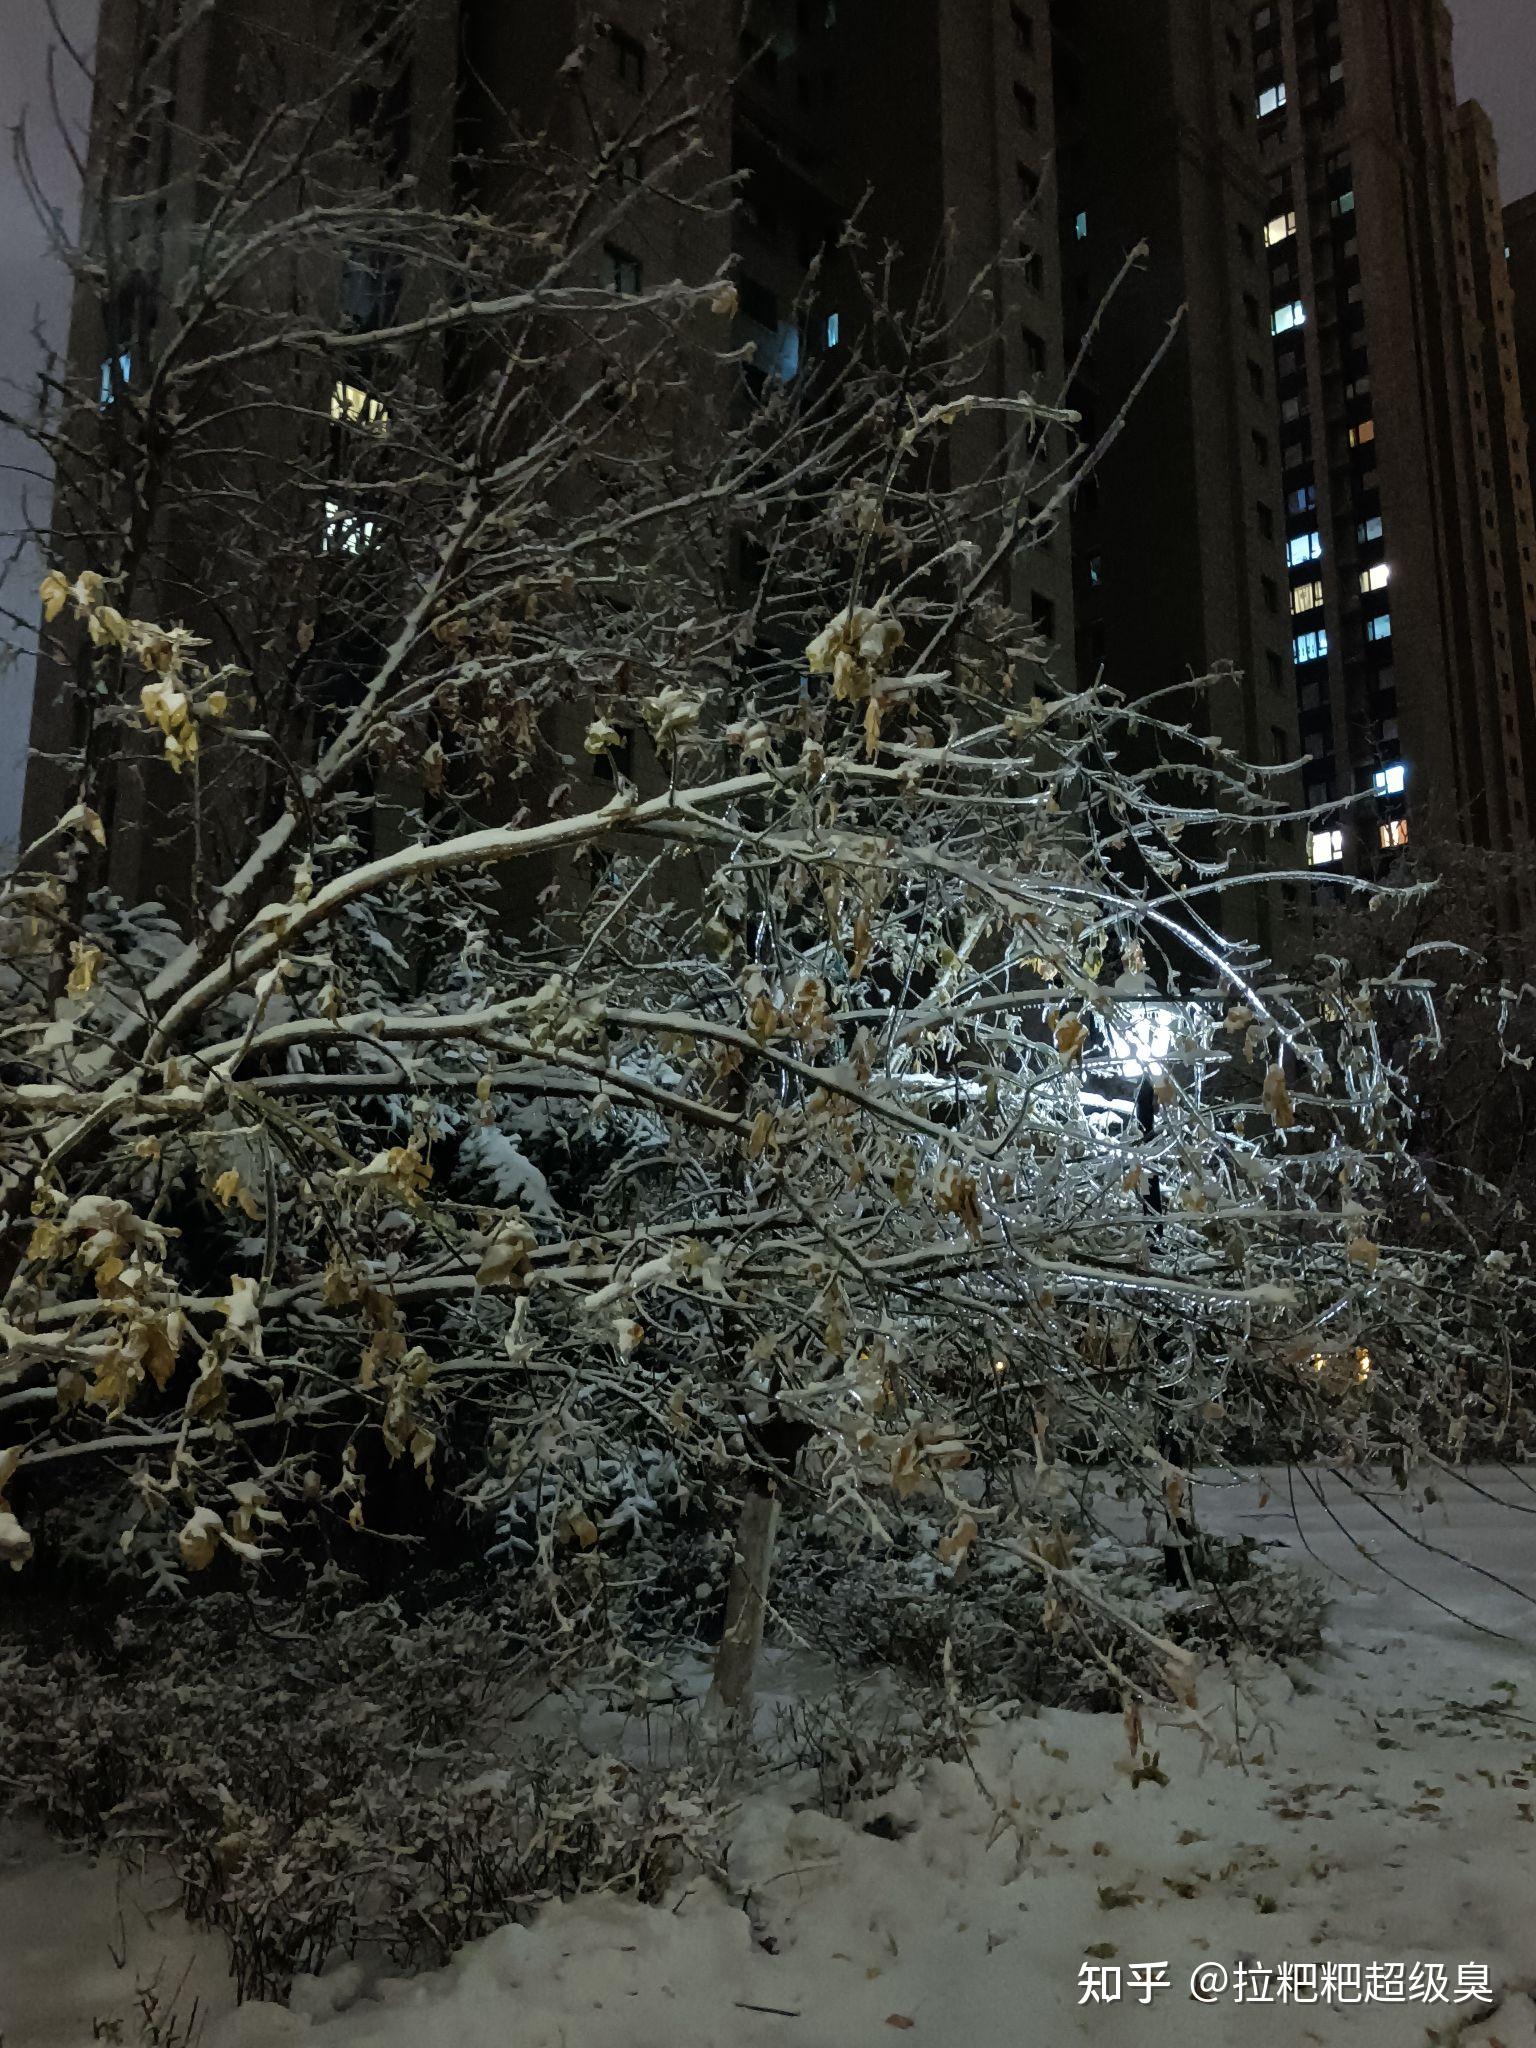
{"points": [[1378, 1809]]}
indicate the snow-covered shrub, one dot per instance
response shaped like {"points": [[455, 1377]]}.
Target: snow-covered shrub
{"points": [[668, 975]]}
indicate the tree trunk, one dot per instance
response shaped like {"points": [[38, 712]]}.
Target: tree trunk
{"points": [[746, 1603]]}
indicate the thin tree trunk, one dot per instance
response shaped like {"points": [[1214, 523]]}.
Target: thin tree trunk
{"points": [[746, 1603]]}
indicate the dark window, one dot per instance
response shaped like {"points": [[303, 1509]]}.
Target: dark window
{"points": [[1028, 106], [623, 270], [370, 290], [628, 59], [1023, 28], [1034, 352], [1266, 519], [1043, 615]]}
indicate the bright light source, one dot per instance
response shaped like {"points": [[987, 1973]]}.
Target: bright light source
{"points": [[1325, 848], [1391, 780], [1139, 1038], [834, 330]]}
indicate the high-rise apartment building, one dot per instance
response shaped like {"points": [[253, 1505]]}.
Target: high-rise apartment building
{"points": [[1520, 255], [1405, 512], [1178, 537], [1321, 484]]}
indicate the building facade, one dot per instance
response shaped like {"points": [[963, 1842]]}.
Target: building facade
{"points": [[1304, 387], [1178, 538], [1520, 257], [1406, 508]]}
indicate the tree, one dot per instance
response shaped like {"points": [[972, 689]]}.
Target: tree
{"points": [[837, 1107]]}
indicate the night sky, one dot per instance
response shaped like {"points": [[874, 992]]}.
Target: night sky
{"points": [[1496, 63]]}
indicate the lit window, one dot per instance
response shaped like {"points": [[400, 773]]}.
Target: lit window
{"points": [[1095, 569], [1376, 577], [1284, 318], [1271, 99], [1080, 227], [1325, 848], [346, 532], [1344, 203], [1369, 529], [1303, 547], [1394, 833], [1379, 628], [1306, 597], [1302, 499], [1310, 646], [1391, 780], [1361, 433], [1280, 228], [116, 376], [352, 406], [834, 330]]}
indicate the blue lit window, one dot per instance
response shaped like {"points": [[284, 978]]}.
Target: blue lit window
{"points": [[1271, 99], [1310, 646], [1369, 529], [1379, 628], [1391, 780], [1285, 318], [834, 330], [116, 376], [1324, 848], [1080, 227], [1303, 547]]}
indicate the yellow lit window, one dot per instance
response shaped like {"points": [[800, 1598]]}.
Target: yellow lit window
{"points": [[352, 406], [1306, 597], [1360, 434], [1280, 228], [1394, 833]]}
